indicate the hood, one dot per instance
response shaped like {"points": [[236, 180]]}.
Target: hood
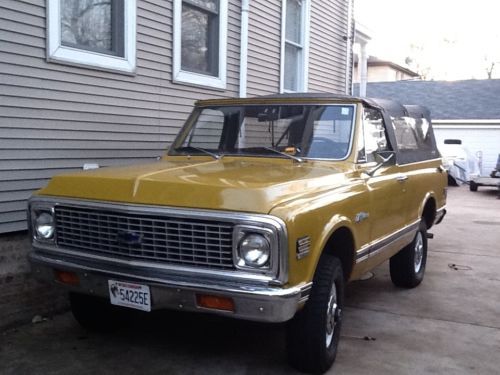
{"points": [[233, 184]]}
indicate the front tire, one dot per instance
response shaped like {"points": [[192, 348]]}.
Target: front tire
{"points": [[407, 267], [472, 186], [313, 334]]}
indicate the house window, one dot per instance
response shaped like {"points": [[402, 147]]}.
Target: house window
{"points": [[96, 33], [295, 45], [200, 34]]}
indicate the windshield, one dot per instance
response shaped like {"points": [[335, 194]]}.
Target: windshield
{"points": [[298, 131]]}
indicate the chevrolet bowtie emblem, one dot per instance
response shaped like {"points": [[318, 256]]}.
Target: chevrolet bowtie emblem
{"points": [[129, 238]]}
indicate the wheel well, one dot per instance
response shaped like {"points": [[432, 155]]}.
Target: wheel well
{"points": [[429, 213], [341, 245]]}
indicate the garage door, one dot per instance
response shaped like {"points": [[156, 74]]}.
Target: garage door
{"points": [[481, 136]]}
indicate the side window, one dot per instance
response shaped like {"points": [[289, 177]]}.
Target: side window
{"points": [[200, 36], [95, 33], [412, 133], [375, 138]]}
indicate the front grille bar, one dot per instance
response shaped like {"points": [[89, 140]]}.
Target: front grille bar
{"points": [[137, 236]]}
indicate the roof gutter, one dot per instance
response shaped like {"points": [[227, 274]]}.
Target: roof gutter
{"points": [[245, 7]]}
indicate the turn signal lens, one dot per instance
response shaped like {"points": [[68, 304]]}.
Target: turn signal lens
{"points": [[215, 302], [65, 277]]}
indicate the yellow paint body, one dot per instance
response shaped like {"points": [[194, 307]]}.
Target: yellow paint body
{"points": [[314, 198]]}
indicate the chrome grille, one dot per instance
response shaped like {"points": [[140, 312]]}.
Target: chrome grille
{"points": [[131, 236]]}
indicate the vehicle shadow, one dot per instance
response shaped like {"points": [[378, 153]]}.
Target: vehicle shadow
{"points": [[212, 344]]}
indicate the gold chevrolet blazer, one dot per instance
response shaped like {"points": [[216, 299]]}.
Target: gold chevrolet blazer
{"points": [[262, 209]]}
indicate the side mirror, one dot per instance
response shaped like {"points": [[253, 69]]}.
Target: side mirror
{"points": [[384, 158]]}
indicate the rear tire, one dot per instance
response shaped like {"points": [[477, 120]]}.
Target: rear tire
{"points": [[407, 267], [313, 334], [94, 313], [452, 181], [472, 186]]}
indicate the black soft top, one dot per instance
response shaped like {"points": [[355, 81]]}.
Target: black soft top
{"points": [[390, 109]]}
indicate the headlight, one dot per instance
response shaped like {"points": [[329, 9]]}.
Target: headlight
{"points": [[44, 225], [257, 249], [254, 250]]}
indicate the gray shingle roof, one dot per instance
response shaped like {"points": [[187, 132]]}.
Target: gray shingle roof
{"points": [[447, 100]]}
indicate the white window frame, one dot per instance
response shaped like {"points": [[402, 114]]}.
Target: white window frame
{"points": [[182, 76], [303, 79], [57, 52]]}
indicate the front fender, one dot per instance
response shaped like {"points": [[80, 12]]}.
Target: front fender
{"points": [[317, 219]]}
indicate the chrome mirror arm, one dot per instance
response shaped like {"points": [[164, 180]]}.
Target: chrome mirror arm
{"points": [[384, 161]]}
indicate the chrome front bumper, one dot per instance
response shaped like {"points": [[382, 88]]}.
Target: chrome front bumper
{"points": [[252, 302]]}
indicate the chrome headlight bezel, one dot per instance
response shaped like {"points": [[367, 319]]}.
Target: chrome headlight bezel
{"points": [[242, 232], [36, 212]]}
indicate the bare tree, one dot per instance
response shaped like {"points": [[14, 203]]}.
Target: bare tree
{"points": [[489, 69]]}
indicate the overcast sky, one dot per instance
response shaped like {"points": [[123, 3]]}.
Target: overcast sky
{"points": [[452, 39]]}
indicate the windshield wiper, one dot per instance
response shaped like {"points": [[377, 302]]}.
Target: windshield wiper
{"points": [[296, 158], [215, 156]]}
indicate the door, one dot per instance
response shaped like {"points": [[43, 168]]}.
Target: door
{"points": [[387, 185]]}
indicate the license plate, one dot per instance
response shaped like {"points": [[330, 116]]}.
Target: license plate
{"points": [[135, 296]]}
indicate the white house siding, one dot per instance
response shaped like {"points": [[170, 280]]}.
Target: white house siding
{"points": [[476, 135], [264, 47], [54, 117], [328, 47]]}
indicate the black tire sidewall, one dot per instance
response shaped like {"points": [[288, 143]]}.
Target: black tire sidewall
{"points": [[306, 333], [423, 231], [402, 264]]}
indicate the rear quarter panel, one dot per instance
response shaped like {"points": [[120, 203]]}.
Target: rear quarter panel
{"points": [[426, 180]]}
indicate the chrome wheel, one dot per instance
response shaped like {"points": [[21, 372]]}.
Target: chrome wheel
{"points": [[419, 252], [332, 315]]}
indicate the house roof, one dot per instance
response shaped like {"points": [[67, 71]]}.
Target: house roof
{"points": [[375, 61], [447, 100]]}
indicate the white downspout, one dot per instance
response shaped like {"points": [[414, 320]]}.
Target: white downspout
{"points": [[363, 69], [362, 38], [245, 6], [349, 41]]}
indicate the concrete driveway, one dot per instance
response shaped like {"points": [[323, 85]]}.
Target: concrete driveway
{"points": [[448, 325]]}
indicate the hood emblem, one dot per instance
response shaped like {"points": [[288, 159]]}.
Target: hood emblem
{"points": [[129, 238]]}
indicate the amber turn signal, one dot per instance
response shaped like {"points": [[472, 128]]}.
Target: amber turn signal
{"points": [[66, 277], [215, 302]]}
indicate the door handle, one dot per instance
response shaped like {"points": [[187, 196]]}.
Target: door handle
{"points": [[402, 178]]}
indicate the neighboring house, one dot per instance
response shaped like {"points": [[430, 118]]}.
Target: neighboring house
{"points": [[468, 110], [111, 82], [383, 71]]}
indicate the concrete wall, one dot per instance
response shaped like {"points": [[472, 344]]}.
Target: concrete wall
{"points": [[21, 296]]}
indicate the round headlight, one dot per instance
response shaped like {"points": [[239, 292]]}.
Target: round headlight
{"points": [[255, 251], [44, 225]]}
